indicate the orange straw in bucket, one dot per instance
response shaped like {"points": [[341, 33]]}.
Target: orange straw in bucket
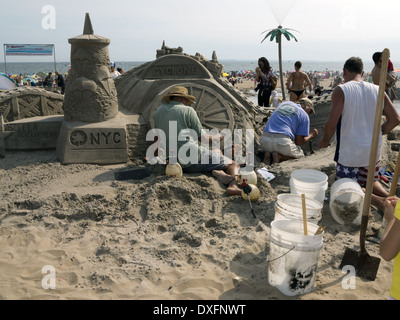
{"points": [[303, 200]]}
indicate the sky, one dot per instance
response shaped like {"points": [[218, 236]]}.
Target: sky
{"points": [[326, 30]]}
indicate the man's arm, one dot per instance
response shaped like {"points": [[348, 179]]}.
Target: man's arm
{"points": [[300, 140], [307, 81], [376, 75], [289, 79], [390, 242], [334, 116], [392, 117], [390, 79]]}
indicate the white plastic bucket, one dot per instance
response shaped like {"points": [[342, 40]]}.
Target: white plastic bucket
{"points": [[293, 257], [312, 183], [289, 206], [346, 201]]}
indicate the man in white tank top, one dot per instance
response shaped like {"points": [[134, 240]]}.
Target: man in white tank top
{"points": [[352, 117]]}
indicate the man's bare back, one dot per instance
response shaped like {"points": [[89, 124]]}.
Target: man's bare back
{"points": [[390, 80], [296, 84], [300, 80], [376, 75]]}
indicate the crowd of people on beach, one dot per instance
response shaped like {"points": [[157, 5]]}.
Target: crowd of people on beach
{"points": [[315, 76], [53, 81]]}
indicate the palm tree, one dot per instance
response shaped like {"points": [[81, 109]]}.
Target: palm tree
{"points": [[277, 35]]}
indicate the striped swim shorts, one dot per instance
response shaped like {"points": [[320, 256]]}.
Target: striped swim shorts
{"points": [[358, 174]]}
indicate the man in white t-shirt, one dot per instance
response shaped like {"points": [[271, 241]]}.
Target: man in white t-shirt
{"points": [[352, 117]]}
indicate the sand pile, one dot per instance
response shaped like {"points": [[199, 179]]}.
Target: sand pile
{"points": [[156, 238]]}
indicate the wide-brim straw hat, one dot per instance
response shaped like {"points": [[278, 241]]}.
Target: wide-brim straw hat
{"points": [[308, 103], [179, 92]]}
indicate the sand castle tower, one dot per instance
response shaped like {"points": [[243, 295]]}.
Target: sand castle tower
{"points": [[92, 130], [90, 95]]}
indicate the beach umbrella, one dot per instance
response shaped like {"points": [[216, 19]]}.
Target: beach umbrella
{"points": [[225, 74], [277, 35], [41, 75], [6, 83], [31, 79]]}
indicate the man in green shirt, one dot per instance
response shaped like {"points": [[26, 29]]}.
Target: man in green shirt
{"points": [[177, 119]]}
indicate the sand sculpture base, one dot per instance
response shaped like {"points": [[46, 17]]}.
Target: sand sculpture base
{"points": [[98, 143]]}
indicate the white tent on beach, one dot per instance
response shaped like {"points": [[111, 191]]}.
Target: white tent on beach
{"points": [[6, 83]]}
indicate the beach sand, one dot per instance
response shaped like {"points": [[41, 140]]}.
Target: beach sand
{"points": [[158, 238]]}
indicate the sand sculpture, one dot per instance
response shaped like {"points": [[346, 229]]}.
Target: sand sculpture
{"points": [[92, 131], [26, 102], [31, 117], [322, 106], [218, 105], [90, 95], [3, 134]]}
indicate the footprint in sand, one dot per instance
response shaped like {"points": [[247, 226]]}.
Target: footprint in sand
{"points": [[196, 288]]}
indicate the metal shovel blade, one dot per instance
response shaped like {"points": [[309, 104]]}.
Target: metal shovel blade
{"points": [[366, 266]]}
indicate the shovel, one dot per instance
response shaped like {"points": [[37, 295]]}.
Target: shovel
{"points": [[303, 202], [135, 174], [365, 265], [320, 228]]}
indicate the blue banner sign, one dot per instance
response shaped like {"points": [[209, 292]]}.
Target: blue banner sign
{"points": [[29, 49]]}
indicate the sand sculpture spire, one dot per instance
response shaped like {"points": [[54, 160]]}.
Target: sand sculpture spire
{"points": [[88, 28], [214, 57]]}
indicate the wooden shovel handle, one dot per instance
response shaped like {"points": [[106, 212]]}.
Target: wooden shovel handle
{"points": [[374, 149], [303, 202]]}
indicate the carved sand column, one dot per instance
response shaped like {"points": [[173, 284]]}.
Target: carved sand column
{"points": [[90, 94], [93, 131]]}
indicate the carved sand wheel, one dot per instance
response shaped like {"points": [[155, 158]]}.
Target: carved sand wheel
{"points": [[27, 102], [213, 111]]}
